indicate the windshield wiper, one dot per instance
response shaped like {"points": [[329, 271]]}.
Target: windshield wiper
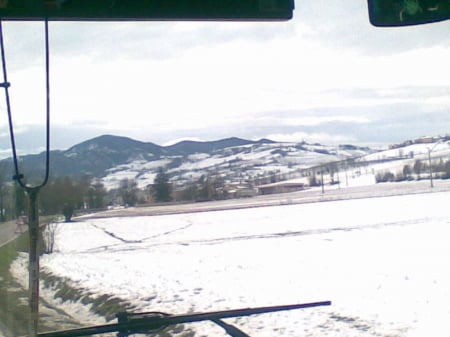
{"points": [[151, 322]]}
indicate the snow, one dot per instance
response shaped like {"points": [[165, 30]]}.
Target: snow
{"points": [[143, 171], [75, 309], [381, 261], [254, 159], [420, 151]]}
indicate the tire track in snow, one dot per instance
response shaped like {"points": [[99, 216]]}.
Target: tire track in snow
{"points": [[276, 235], [125, 242], [111, 234], [169, 232]]}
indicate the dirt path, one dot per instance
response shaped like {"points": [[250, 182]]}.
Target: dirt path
{"points": [[7, 232]]}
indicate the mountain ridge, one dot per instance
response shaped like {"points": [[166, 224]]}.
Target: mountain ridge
{"points": [[109, 159], [237, 162], [95, 156]]}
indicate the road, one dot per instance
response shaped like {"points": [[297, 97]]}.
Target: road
{"points": [[7, 234], [4, 331]]}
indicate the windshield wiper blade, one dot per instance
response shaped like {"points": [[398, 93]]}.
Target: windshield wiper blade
{"points": [[230, 329], [131, 323]]}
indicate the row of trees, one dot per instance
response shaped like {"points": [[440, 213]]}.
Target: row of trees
{"points": [[12, 201], [440, 170], [65, 195], [204, 189], [59, 196]]}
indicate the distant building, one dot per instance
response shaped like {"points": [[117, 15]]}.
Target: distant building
{"points": [[397, 146], [407, 142], [394, 146], [245, 192], [424, 140], [280, 187]]}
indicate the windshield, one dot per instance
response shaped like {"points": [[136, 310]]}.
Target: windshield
{"points": [[207, 166]]}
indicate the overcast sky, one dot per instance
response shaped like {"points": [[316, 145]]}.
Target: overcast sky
{"points": [[326, 76]]}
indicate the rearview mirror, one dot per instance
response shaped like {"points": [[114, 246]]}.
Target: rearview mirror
{"points": [[388, 13], [133, 10]]}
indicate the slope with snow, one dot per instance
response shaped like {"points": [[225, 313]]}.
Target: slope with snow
{"points": [[234, 163], [237, 164]]}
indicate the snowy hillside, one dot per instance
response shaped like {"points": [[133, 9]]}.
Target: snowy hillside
{"points": [[235, 163], [261, 163], [395, 160], [238, 162]]}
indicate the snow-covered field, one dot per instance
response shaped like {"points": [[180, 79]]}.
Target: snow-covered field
{"points": [[383, 262]]}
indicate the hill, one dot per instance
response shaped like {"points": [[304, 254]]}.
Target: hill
{"points": [[112, 158], [109, 159]]}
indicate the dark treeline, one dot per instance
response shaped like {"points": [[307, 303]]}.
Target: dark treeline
{"points": [[61, 196], [66, 196]]}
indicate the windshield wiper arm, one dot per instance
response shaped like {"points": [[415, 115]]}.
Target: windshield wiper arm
{"points": [[131, 323]]}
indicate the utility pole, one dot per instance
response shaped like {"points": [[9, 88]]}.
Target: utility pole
{"points": [[321, 179], [33, 264], [430, 168]]}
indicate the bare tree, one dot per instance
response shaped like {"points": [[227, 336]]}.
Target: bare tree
{"points": [[49, 236]]}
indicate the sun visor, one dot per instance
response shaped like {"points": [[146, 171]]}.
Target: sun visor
{"points": [[135, 10]]}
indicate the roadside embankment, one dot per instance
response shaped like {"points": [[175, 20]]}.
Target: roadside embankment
{"points": [[13, 290]]}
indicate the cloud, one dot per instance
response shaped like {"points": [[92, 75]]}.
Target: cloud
{"points": [[30, 139], [325, 74], [342, 25], [376, 125], [175, 141], [346, 25], [318, 137], [100, 41], [317, 121]]}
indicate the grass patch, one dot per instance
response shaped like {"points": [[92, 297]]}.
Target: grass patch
{"points": [[104, 305], [9, 252], [13, 299]]}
